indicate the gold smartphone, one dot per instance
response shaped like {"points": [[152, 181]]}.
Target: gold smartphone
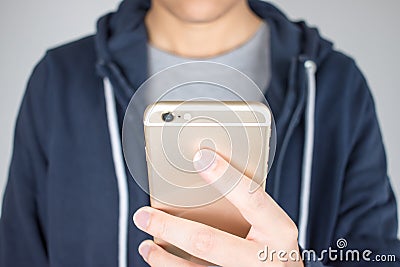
{"points": [[175, 131]]}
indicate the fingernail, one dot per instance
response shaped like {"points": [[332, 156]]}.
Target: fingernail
{"points": [[141, 218], [204, 159], [144, 250]]}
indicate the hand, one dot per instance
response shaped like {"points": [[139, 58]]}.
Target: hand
{"points": [[271, 227]]}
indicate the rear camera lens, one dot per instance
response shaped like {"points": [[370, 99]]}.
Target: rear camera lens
{"points": [[167, 117]]}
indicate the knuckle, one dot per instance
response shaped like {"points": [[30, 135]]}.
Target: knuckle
{"points": [[159, 227], [151, 257], [257, 200], [292, 230], [162, 229], [158, 258], [202, 241]]}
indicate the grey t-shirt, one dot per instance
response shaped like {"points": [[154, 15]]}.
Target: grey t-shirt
{"points": [[251, 58]]}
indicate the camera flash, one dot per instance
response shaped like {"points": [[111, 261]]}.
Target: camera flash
{"points": [[187, 116]]}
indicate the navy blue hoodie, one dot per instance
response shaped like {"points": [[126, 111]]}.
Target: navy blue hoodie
{"points": [[61, 204]]}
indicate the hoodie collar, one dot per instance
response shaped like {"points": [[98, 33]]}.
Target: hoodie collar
{"points": [[121, 45]]}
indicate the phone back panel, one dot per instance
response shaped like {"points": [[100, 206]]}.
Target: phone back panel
{"points": [[238, 131]]}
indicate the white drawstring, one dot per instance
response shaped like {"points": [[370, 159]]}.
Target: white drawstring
{"points": [[119, 172], [307, 153]]}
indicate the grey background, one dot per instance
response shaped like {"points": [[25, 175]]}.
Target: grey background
{"points": [[366, 29]]}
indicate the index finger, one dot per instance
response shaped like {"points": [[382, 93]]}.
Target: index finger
{"points": [[197, 239]]}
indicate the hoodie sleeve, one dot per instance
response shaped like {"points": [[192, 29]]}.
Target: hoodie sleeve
{"points": [[22, 227], [367, 216]]}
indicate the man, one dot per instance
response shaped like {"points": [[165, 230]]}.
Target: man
{"points": [[66, 200]]}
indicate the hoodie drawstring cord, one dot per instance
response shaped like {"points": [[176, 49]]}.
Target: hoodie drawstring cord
{"points": [[311, 69], [119, 166]]}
